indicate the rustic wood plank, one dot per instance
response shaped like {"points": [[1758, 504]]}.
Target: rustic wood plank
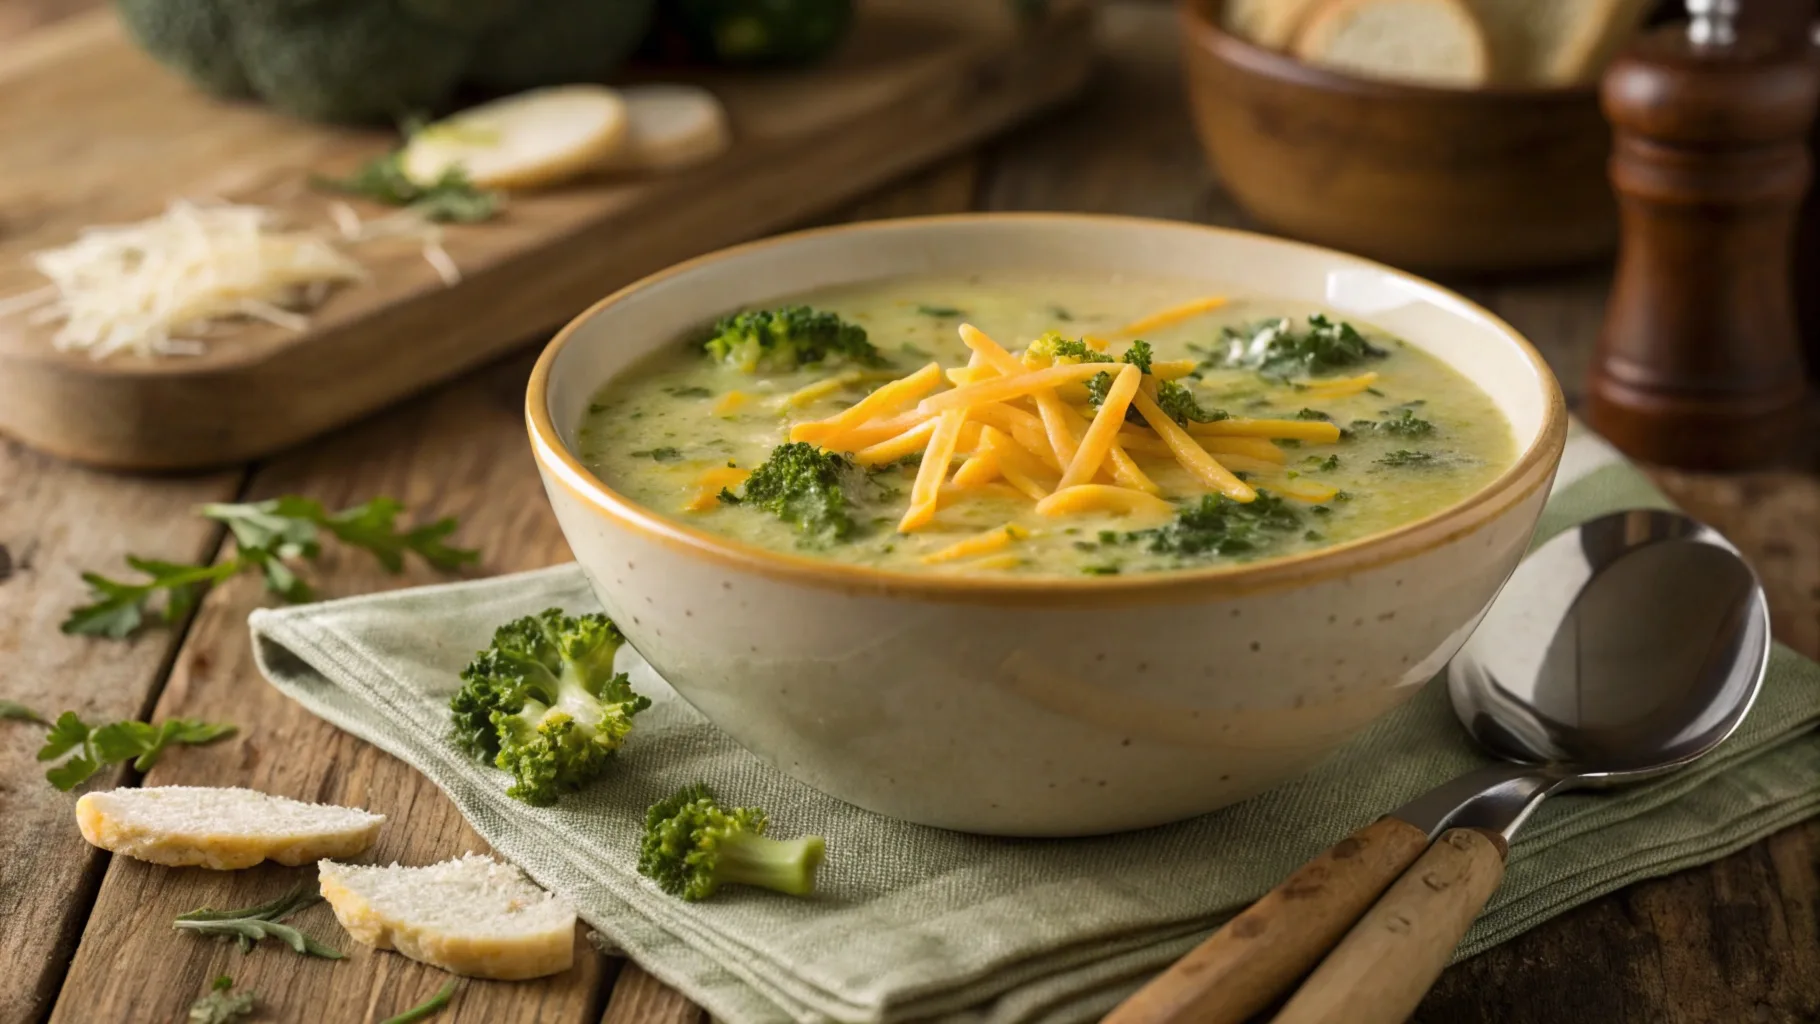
{"points": [[55, 522], [18, 17], [639, 998], [459, 452]]}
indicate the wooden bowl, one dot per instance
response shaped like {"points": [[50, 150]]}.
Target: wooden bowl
{"points": [[1435, 180]]}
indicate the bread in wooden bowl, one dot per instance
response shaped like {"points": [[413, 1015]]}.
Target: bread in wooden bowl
{"points": [[1435, 42], [1555, 42]]}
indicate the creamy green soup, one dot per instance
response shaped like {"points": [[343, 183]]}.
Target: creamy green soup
{"points": [[1415, 439]]}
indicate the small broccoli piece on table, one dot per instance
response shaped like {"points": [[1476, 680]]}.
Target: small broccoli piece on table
{"points": [[788, 337], [806, 486], [544, 703], [693, 846]]}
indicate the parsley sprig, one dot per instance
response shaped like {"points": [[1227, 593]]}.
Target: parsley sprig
{"points": [[91, 748], [269, 536], [249, 926], [450, 199]]}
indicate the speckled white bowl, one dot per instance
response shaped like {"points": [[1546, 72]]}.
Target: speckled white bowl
{"points": [[1068, 706]]}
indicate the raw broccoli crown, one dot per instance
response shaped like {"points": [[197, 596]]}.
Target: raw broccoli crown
{"points": [[692, 846], [805, 486], [788, 337], [544, 703], [383, 60]]}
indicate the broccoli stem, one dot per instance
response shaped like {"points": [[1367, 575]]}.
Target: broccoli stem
{"points": [[783, 865]]}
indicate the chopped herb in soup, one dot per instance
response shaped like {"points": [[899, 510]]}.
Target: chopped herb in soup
{"points": [[1042, 426]]}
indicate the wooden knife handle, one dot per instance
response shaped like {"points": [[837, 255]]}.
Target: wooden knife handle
{"points": [[1259, 955], [1386, 964]]}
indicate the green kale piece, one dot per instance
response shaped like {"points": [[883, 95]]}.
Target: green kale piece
{"points": [[1219, 525]]}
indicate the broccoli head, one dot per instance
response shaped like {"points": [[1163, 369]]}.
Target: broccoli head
{"points": [[1172, 397], [383, 60], [806, 486], [788, 337], [693, 846], [544, 703]]}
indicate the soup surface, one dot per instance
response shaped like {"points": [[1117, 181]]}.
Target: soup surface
{"points": [[1329, 442]]}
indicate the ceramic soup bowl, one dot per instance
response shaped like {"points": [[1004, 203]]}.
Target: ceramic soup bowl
{"points": [[1028, 706]]}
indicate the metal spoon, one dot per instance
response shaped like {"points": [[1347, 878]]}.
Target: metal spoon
{"points": [[1619, 650]]}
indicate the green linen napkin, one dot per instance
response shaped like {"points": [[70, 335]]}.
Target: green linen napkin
{"points": [[913, 923]]}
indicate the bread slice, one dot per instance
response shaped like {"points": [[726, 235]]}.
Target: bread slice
{"points": [[1269, 23], [1431, 42], [529, 140], [1555, 42], [223, 829], [672, 126], [472, 915]]}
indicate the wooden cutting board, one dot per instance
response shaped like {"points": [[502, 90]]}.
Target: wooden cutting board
{"points": [[93, 132]]}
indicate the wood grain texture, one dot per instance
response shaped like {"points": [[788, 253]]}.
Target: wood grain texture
{"points": [[1380, 971], [56, 521], [455, 453], [919, 79], [639, 998], [1259, 955]]}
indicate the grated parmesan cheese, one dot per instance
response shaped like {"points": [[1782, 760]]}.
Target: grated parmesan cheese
{"points": [[155, 287]]}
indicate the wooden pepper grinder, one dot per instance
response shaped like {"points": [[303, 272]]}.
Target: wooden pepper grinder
{"points": [[1699, 364]]}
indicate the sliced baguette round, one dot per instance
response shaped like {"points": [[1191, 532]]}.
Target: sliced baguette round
{"points": [[671, 126], [531, 140], [472, 915], [222, 829], [1268, 23], [1430, 42]]}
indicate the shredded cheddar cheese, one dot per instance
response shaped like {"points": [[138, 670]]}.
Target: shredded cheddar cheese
{"points": [[820, 389], [1318, 431], [1104, 429], [1104, 498], [980, 544], [710, 484], [1340, 388], [1171, 316]]}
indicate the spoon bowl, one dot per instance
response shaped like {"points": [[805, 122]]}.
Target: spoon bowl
{"points": [[1620, 650]]}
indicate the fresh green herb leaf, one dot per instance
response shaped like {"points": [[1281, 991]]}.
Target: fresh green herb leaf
{"points": [[1100, 570], [247, 927], [1330, 463], [1314, 414], [99, 746], [691, 391], [1179, 402], [1276, 349], [1061, 313], [119, 608], [428, 1008], [1219, 525], [13, 711], [660, 454], [218, 1006], [940, 312], [452, 198], [1406, 424], [1405, 457]]}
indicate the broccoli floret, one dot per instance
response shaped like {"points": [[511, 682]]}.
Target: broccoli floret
{"points": [[806, 486], [788, 337], [544, 703], [1274, 347], [693, 846]]}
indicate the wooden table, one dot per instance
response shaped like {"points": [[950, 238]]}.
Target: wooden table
{"points": [[85, 938]]}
